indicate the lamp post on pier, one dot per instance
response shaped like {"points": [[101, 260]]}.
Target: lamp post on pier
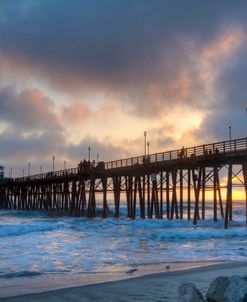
{"points": [[89, 153], [145, 143], [148, 144], [230, 135], [64, 165], [53, 163], [29, 168], [230, 131], [40, 168]]}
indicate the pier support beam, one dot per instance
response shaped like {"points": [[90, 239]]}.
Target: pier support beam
{"points": [[148, 195], [174, 206], [91, 207], [219, 194], [154, 198], [181, 188], [244, 166], [203, 191], [215, 193], [189, 194], [161, 195], [167, 195], [129, 194], [197, 188], [105, 206], [228, 196], [83, 197], [133, 206], [117, 191], [141, 197]]}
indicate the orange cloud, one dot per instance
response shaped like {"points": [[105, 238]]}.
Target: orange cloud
{"points": [[180, 89], [213, 57], [224, 46], [75, 112], [78, 112]]}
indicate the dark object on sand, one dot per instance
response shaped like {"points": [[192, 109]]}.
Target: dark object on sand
{"points": [[168, 268], [131, 271]]}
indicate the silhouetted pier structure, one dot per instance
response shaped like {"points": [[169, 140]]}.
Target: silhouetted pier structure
{"points": [[170, 185]]}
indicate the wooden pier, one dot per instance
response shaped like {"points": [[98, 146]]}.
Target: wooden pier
{"points": [[167, 185]]}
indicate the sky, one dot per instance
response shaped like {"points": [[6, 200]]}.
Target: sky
{"points": [[98, 73]]}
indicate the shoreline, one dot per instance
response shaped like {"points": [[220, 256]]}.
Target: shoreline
{"points": [[202, 274], [41, 283]]}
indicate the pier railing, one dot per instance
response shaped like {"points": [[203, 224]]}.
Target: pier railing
{"points": [[225, 148]]}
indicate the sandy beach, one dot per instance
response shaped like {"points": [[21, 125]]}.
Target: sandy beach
{"points": [[150, 287]]}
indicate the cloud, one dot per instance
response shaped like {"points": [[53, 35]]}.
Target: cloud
{"points": [[70, 69], [106, 150], [28, 109], [16, 147], [135, 51], [18, 150], [75, 112]]}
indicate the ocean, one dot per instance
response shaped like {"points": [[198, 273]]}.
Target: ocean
{"points": [[37, 245]]}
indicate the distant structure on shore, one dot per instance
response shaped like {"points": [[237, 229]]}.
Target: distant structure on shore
{"points": [[1, 173]]}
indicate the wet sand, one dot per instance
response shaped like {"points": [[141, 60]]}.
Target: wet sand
{"points": [[148, 287]]}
